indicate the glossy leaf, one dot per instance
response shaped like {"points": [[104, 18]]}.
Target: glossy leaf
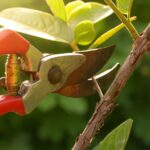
{"points": [[36, 23], [58, 8], [89, 11], [124, 6], [117, 139], [84, 32], [71, 6], [107, 35]]}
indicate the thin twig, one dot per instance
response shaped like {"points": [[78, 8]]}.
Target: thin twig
{"points": [[74, 46], [104, 108], [98, 88], [123, 19]]}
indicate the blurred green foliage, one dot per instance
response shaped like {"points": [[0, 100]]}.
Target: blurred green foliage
{"points": [[59, 120]]}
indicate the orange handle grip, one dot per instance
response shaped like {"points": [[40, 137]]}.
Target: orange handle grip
{"points": [[11, 104], [12, 43]]}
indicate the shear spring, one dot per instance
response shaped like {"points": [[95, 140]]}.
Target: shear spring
{"points": [[13, 74]]}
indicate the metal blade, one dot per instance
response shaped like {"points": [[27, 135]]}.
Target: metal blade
{"points": [[87, 88], [95, 60], [53, 74]]}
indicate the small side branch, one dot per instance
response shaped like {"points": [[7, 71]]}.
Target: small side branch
{"points": [[123, 19], [106, 106], [100, 93]]}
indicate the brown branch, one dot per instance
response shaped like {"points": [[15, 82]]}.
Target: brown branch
{"points": [[107, 104]]}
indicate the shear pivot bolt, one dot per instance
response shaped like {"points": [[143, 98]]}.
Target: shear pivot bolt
{"points": [[54, 75]]}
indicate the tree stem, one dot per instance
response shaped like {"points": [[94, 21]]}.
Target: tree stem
{"points": [[107, 104]]}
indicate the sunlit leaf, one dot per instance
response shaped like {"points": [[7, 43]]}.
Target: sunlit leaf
{"points": [[107, 35], [84, 32], [89, 11], [58, 8], [36, 23], [117, 139], [71, 6], [124, 6]]}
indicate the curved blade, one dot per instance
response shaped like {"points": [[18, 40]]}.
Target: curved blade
{"points": [[95, 60], [87, 88]]}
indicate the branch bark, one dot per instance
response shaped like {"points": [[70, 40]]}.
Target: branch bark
{"points": [[107, 103]]}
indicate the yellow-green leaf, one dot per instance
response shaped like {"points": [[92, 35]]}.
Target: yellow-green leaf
{"points": [[71, 6], [58, 8], [117, 139], [84, 32], [107, 35], [36, 23], [89, 11], [124, 6]]}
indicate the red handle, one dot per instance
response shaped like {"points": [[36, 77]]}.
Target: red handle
{"points": [[11, 104], [12, 43]]}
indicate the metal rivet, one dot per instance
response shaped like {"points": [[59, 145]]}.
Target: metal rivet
{"points": [[54, 75]]}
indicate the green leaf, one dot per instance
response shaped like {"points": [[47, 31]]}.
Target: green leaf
{"points": [[70, 7], [58, 8], [124, 6], [107, 35], [117, 139], [89, 11], [84, 32], [36, 23]]}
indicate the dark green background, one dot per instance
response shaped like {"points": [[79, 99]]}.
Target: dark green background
{"points": [[58, 120]]}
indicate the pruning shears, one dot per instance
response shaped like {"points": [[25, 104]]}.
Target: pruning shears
{"points": [[67, 74]]}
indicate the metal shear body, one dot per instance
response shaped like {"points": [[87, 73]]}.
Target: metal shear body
{"points": [[66, 74]]}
